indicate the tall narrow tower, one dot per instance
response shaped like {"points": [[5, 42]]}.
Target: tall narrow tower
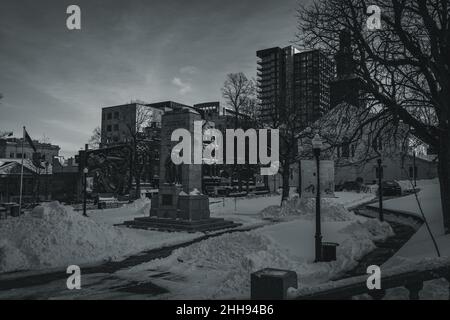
{"points": [[346, 87]]}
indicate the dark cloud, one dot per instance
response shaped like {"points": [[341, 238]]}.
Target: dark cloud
{"points": [[55, 81]]}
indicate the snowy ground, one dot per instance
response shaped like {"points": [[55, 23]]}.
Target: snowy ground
{"points": [[219, 267], [420, 246]]}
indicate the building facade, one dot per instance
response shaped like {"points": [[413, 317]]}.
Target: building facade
{"points": [[121, 123], [11, 148], [291, 78]]}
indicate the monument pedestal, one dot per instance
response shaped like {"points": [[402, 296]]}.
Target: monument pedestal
{"points": [[174, 210], [165, 205]]}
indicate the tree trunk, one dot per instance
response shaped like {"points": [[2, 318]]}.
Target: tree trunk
{"points": [[285, 175], [444, 178], [138, 185]]}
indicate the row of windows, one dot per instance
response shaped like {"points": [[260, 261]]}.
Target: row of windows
{"points": [[18, 155], [109, 115], [110, 128]]}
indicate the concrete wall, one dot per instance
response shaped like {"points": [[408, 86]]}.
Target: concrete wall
{"points": [[394, 168]]}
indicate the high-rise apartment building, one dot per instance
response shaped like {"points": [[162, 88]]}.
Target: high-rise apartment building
{"points": [[289, 78]]}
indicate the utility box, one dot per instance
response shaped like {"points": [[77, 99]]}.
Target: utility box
{"points": [[329, 251], [272, 284], [15, 211]]}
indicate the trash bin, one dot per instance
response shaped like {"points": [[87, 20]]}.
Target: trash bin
{"points": [[2, 213], [272, 284], [102, 205], [329, 251], [15, 210]]}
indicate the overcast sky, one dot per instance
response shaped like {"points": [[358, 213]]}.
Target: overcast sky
{"points": [[55, 81]]}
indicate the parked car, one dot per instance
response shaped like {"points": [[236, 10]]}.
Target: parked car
{"points": [[349, 186], [391, 188]]}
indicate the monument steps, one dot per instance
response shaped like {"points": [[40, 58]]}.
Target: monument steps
{"points": [[162, 224]]}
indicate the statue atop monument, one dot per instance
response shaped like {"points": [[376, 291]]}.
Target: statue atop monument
{"points": [[173, 173]]}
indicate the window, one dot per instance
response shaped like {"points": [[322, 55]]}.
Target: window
{"points": [[345, 148], [109, 116], [116, 127], [108, 128], [377, 144], [116, 115], [413, 172], [11, 155]]}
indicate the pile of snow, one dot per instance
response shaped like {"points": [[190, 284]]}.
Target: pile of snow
{"points": [[220, 267], [195, 192], [408, 185], [112, 216], [305, 208], [140, 206], [55, 235]]}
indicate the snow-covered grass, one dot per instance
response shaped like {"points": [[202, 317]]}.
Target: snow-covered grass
{"points": [[220, 267], [54, 235], [420, 246]]}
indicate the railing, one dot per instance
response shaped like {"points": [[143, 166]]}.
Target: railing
{"points": [[411, 278]]}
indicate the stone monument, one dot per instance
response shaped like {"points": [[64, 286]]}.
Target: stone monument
{"points": [[180, 204], [180, 186]]}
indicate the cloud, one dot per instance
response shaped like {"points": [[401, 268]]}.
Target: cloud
{"points": [[189, 70], [184, 87]]}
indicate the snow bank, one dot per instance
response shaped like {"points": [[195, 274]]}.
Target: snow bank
{"points": [[220, 268], [55, 235], [331, 210], [138, 208]]}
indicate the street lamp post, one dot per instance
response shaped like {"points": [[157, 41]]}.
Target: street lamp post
{"points": [[85, 172], [380, 190], [317, 146], [414, 169], [46, 179]]}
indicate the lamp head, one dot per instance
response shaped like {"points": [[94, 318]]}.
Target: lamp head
{"points": [[317, 142]]}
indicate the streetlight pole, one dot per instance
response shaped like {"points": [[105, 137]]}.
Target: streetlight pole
{"points": [[46, 179], [317, 146], [85, 172], [380, 191], [414, 169]]}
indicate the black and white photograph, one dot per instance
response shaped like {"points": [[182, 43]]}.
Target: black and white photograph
{"points": [[245, 152]]}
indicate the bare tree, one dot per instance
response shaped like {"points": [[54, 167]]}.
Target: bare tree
{"points": [[45, 139], [404, 66], [239, 93], [96, 138], [286, 118], [136, 124]]}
